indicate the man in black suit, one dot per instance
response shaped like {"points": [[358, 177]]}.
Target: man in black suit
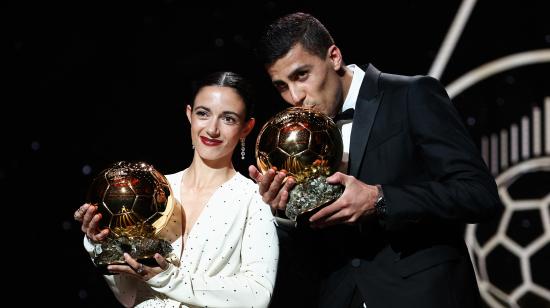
{"points": [[415, 177]]}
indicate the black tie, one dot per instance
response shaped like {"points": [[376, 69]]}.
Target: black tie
{"points": [[346, 115]]}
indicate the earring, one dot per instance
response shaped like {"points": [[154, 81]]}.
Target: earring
{"points": [[242, 149], [193, 146]]}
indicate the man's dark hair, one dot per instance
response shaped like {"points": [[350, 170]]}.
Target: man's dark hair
{"points": [[231, 80], [289, 30]]}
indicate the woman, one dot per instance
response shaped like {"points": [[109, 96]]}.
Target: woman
{"points": [[227, 255]]}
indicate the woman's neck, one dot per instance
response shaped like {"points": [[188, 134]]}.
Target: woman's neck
{"points": [[201, 176]]}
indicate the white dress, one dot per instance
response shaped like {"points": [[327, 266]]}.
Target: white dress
{"points": [[229, 259]]}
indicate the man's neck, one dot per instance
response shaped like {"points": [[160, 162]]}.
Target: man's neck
{"points": [[346, 78]]}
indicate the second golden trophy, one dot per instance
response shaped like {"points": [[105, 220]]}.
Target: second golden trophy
{"points": [[308, 145]]}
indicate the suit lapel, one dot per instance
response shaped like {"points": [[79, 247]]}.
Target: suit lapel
{"points": [[365, 112]]}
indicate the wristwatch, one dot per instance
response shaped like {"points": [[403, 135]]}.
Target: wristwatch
{"points": [[380, 204]]}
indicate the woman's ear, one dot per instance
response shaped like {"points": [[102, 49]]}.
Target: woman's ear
{"points": [[248, 126], [188, 111]]}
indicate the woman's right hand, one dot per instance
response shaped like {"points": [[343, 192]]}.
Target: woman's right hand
{"points": [[86, 214]]}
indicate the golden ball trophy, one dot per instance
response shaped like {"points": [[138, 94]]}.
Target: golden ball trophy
{"points": [[135, 201], [308, 145]]}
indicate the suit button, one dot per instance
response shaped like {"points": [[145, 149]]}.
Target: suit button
{"points": [[355, 262]]}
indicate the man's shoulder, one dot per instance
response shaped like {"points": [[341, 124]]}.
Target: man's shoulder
{"points": [[399, 80], [396, 77]]}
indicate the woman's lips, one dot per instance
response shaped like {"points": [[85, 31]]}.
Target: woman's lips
{"points": [[210, 142]]}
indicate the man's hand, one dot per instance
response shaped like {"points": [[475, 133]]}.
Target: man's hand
{"points": [[272, 186], [356, 203]]}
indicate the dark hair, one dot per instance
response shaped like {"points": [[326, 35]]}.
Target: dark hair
{"points": [[289, 30], [230, 80]]}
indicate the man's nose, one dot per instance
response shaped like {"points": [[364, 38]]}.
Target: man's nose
{"points": [[297, 95]]}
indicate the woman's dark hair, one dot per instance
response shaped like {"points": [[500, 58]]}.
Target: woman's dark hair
{"points": [[230, 80], [287, 31]]}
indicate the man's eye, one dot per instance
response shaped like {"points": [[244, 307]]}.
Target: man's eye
{"points": [[302, 75], [281, 87]]}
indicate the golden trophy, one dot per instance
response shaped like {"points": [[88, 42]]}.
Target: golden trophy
{"points": [[135, 201], [308, 145]]}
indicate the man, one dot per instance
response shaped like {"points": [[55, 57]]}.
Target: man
{"points": [[415, 177]]}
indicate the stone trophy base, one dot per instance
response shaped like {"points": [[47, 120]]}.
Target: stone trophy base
{"points": [[309, 196], [111, 251]]}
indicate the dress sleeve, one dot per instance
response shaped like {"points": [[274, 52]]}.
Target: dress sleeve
{"points": [[123, 286], [251, 286]]}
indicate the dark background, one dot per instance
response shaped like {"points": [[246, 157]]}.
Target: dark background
{"points": [[90, 83]]}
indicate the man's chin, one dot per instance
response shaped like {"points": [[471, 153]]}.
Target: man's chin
{"points": [[324, 111]]}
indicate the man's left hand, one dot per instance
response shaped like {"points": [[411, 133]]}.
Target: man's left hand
{"points": [[355, 204]]}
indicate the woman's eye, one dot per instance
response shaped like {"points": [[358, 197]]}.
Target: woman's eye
{"points": [[229, 119], [201, 113]]}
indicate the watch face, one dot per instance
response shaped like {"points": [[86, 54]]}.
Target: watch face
{"points": [[97, 249], [380, 206]]}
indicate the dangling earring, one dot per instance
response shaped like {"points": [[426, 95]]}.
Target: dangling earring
{"points": [[242, 148]]}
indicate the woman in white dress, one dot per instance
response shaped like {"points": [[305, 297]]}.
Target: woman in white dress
{"points": [[228, 253]]}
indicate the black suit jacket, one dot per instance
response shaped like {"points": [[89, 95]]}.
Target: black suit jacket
{"points": [[407, 137]]}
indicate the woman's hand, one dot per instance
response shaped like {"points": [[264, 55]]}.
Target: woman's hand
{"points": [[86, 214], [138, 270]]}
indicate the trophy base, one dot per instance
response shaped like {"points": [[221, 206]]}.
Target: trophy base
{"points": [[102, 268], [303, 219], [143, 249], [308, 197]]}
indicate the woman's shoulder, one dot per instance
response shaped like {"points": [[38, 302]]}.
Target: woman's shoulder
{"points": [[256, 206], [174, 178], [244, 182]]}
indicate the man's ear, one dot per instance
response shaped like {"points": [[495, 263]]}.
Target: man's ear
{"points": [[335, 57]]}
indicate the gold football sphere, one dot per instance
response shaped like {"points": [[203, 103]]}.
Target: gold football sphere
{"points": [[304, 142], [132, 197]]}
